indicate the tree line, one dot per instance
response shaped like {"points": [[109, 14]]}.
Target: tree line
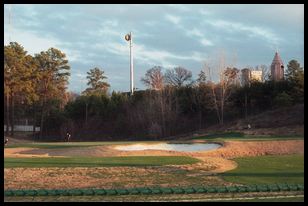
{"points": [[173, 103]]}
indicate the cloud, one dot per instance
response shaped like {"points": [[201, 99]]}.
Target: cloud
{"points": [[206, 42], [173, 19], [194, 32], [251, 31], [197, 34]]}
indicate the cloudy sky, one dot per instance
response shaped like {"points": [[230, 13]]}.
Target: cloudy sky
{"points": [[165, 35]]}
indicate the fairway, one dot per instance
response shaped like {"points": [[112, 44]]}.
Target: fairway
{"points": [[267, 170], [98, 161]]}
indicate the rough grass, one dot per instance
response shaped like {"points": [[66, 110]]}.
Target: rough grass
{"points": [[98, 161], [267, 170]]}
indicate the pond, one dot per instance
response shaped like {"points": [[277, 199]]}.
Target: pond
{"points": [[171, 147]]}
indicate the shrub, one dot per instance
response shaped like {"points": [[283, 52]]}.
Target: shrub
{"points": [[111, 192], [122, 192], [99, 192]]}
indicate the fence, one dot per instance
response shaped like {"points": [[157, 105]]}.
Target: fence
{"points": [[23, 128], [157, 190]]}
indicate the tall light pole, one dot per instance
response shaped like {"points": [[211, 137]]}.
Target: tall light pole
{"points": [[128, 37]]}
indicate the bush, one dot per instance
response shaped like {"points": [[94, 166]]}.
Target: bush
{"points": [[300, 187], [8, 193], [222, 189], [283, 100], [133, 191], [76, 192], [189, 190], [30, 192], [166, 191], [283, 187], [145, 191], [232, 189], [42, 192], [178, 190], [211, 190], [274, 188], [99, 192], [200, 189], [122, 192], [263, 188]]}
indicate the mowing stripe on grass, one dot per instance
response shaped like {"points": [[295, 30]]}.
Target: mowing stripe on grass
{"points": [[267, 170], [98, 161]]}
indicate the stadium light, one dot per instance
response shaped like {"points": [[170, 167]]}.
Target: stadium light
{"points": [[128, 37]]}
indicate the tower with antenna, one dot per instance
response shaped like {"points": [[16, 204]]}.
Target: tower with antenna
{"points": [[277, 68], [128, 37]]}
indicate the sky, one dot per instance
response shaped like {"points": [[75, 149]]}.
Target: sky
{"points": [[167, 35]]}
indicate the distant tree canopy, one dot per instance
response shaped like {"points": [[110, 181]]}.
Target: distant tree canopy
{"points": [[35, 87], [295, 76], [154, 79], [33, 84], [178, 77], [97, 83]]}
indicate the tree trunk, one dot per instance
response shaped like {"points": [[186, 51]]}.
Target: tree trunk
{"points": [[86, 114], [42, 121], [246, 105], [222, 112], [162, 114], [215, 104], [34, 118], [12, 115], [7, 114]]}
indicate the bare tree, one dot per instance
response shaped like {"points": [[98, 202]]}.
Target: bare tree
{"points": [[178, 76], [154, 78], [228, 77], [265, 72]]}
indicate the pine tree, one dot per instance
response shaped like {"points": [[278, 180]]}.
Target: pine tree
{"points": [[97, 83]]}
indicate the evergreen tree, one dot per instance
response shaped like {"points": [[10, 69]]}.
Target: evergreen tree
{"points": [[97, 83]]}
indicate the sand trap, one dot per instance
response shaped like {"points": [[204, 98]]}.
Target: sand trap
{"points": [[170, 147]]}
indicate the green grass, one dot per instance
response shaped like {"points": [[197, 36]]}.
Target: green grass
{"points": [[267, 170], [242, 136], [99, 162]]}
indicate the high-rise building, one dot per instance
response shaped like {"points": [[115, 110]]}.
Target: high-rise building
{"points": [[256, 75], [249, 75], [277, 68], [245, 76]]}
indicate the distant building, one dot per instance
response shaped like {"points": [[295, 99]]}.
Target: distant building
{"points": [[249, 75], [256, 75], [245, 77], [277, 68]]}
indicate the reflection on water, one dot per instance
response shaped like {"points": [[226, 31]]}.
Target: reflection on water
{"points": [[172, 147]]}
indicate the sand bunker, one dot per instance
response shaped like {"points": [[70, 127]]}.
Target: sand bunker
{"points": [[170, 147]]}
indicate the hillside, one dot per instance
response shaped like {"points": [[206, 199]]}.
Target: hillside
{"points": [[282, 121]]}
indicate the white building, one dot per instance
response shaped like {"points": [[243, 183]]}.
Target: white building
{"points": [[256, 75]]}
